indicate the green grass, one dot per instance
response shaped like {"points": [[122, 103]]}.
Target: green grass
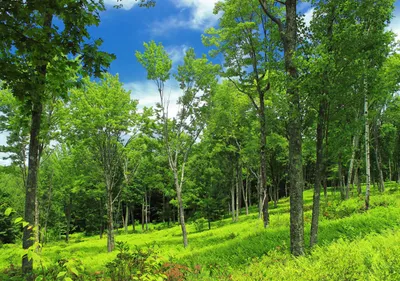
{"points": [[230, 248]]}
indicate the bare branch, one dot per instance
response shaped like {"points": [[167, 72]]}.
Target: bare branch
{"points": [[271, 16]]}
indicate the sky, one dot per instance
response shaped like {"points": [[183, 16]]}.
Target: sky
{"points": [[177, 24]]}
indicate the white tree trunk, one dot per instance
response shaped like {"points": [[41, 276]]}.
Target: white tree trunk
{"points": [[367, 153]]}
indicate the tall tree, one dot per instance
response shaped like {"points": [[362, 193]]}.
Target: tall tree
{"points": [[197, 79], [288, 30], [101, 114], [33, 46]]}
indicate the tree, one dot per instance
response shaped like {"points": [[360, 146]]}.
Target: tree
{"points": [[248, 41], [197, 79], [101, 114], [288, 30], [33, 46]]}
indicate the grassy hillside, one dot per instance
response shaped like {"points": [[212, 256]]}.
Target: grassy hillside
{"points": [[353, 245]]}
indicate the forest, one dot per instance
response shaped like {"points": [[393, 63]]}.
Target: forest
{"points": [[280, 162]]}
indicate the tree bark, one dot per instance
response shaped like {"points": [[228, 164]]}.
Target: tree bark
{"points": [[110, 222], [237, 190], [318, 174], [31, 184], [378, 158], [367, 153], [245, 194], [295, 137], [126, 218], [68, 211], [351, 166], [181, 211], [233, 210], [263, 158]]}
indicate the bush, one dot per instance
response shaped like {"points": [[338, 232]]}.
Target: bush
{"points": [[140, 264], [200, 224]]}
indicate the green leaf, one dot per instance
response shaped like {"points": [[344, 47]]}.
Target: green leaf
{"points": [[74, 271], [68, 279], [18, 220], [61, 274], [8, 211]]}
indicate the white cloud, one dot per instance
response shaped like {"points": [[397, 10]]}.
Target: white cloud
{"points": [[176, 53], [308, 15], [147, 94], [126, 4], [3, 141], [200, 17]]}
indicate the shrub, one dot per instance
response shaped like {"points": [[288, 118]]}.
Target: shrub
{"points": [[140, 264], [200, 224]]}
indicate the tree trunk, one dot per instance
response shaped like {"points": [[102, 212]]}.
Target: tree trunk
{"points": [[263, 158], [233, 197], [249, 189], [37, 217], [390, 170], [318, 174], [378, 159], [31, 185], [245, 195], [181, 211], [295, 137], [68, 211], [133, 217], [367, 155], [143, 214], [126, 218], [110, 222], [351, 167], [237, 191]]}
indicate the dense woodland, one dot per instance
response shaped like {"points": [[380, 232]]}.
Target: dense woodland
{"points": [[295, 106]]}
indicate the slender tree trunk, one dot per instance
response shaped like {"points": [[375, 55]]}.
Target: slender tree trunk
{"points": [[181, 211], [126, 218], [237, 191], [318, 174], [101, 219], [249, 189], [245, 194], [68, 211], [110, 221], [378, 159], [233, 196], [263, 158], [351, 166], [367, 153], [359, 191], [31, 185], [390, 170], [133, 217], [146, 211], [37, 217], [143, 212]]}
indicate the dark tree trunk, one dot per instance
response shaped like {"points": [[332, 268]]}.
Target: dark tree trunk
{"points": [[295, 128], [263, 158], [133, 217], [318, 173], [31, 184], [110, 222], [381, 181], [68, 211]]}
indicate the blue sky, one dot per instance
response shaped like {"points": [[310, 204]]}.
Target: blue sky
{"points": [[177, 24]]}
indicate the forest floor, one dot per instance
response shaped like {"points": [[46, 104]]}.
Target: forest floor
{"points": [[353, 245]]}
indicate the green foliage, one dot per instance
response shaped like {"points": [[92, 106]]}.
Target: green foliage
{"points": [[140, 264], [200, 224]]}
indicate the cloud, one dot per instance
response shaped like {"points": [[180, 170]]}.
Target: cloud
{"points": [[176, 53], [126, 4], [200, 16], [3, 141], [147, 94], [308, 15]]}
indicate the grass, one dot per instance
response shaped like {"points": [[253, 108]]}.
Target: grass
{"points": [[245, 249]]}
